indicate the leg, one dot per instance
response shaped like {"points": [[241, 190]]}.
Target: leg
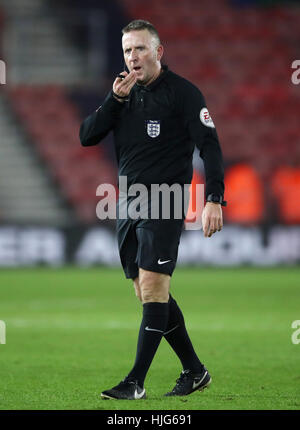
{"points": [[178, 338], [154, 287], [153, 290], [150, 290], [194, 375], [137, 289]]}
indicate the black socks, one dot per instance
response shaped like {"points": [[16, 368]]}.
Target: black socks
{"points": [[179, 340], [163, 319], [153, 326]]}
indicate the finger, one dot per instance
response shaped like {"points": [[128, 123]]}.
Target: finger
{"points": [[125, 77], [206, 227], [128, 77], [123, 88], [211, 232], [127, 88], [204, 222], [126, 83], [122, 75], [213, 227], [220, 223]]}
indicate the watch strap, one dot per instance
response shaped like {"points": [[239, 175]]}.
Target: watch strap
{"points": [[214, 198]]}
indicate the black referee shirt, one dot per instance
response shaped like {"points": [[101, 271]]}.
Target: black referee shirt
{"points": [[155, 133]]}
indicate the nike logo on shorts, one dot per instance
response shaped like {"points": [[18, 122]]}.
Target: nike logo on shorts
{"points": [[163, 262], [153, 329]]}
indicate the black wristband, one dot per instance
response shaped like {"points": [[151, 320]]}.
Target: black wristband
{"points": [[214, 198], [119, 97]]}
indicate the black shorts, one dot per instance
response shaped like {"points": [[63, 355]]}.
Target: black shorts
{"points": [[148, 244]]}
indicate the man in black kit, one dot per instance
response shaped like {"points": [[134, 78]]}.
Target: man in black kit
{"points": [[157, 118]]}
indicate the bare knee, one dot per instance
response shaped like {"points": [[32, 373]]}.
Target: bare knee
{"points": [[154, 287], [137, 288]]}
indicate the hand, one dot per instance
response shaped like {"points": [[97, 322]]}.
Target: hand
{"points": [[212, 219], [122, 87]]}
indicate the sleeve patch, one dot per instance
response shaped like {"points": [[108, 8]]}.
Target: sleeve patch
{"points": [[205, 118]]}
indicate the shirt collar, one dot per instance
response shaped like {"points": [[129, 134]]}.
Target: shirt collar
{"points": [[153, 84]]}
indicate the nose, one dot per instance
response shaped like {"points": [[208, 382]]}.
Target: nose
{"points": [[133, 56]]}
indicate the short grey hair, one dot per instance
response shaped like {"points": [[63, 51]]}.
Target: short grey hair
{"points": [[140, 24]]}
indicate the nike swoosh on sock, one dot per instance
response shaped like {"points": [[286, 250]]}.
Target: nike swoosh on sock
{"points": [[153, 329]]}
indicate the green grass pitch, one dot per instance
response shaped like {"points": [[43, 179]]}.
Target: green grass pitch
{"points": [[72, 332]]}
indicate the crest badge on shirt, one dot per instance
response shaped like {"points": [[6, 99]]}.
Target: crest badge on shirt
{"points": [[205, 118], [153, 128]]}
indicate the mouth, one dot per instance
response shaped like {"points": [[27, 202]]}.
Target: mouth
{"points": [[137, 68]]}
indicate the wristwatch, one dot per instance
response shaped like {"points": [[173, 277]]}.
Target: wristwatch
{"points": [[215, 198]]}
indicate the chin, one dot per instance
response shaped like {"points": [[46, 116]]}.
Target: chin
{"points": [[142, 80]]}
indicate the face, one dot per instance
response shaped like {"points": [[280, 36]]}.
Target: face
{"points": [[142, 54]]}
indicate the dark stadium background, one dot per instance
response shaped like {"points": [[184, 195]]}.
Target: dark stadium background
{"points": [[61, 58], [68, 320]]}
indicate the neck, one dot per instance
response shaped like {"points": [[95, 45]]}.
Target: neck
{"points": [[155, 76]]}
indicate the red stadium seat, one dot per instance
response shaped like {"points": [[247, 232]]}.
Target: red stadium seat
{"points": [[239, 57], [53, 123]]}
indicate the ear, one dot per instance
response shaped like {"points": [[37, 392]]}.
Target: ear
{"points": [[160, 52]]}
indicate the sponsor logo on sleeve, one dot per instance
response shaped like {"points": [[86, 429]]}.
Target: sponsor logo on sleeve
{"points": [[205, 118]]}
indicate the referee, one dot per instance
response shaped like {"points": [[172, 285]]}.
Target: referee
{"points": [[157, 118]]}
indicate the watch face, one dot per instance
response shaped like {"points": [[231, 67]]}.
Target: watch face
{"points": [[214, 198]]}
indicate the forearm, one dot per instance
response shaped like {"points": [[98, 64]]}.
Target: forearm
{"points": [[97, 125], [214, 169]]}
